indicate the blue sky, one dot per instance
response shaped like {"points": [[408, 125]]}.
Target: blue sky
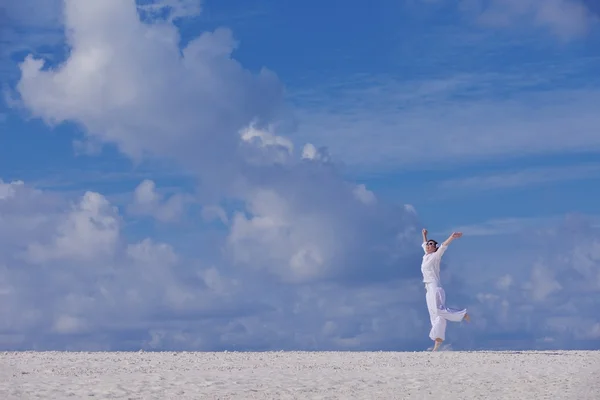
{"points": [[186, 175]]}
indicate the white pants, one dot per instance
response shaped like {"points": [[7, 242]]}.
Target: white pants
{"points": [[438, 312]]}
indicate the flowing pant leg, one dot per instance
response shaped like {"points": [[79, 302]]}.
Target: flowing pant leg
{"points": [[439, 314]]}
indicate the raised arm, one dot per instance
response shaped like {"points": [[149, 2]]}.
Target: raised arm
{"points": [[424, 244], [455, 235]]}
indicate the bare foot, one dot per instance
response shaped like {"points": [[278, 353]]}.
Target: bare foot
{"points": [[467, 318], [437, 344]]}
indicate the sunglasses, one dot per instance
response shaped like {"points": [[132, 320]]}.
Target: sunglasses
{"points": [[430, 244]]}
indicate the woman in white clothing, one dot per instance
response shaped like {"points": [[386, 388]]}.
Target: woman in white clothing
{"points": [[435, 296]]}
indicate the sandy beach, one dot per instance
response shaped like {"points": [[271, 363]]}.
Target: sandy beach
{"points": [[301, 375]]}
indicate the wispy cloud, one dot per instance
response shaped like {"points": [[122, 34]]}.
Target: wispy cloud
{"points": [[388, 124], [527, 177], [505, 226], [566, 19], [514, 225], [394, 121]]}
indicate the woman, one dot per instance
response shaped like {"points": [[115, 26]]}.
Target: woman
{"points": [[435, 296]]}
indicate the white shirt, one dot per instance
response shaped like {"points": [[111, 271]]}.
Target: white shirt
{"points": [[430, 267]]}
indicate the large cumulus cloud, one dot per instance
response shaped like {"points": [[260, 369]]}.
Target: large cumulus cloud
{"points": [[299, 239], [130, 83], [71, 278]]}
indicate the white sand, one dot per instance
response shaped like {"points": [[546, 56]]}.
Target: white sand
{"points": [[299, 375]]}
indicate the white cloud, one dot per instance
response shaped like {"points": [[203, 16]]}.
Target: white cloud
{"points": [[31, 211], [267, 138], [594, 332], [174, 9], [410, 208], [150, 296], [365, 195], [516, 226], [310, 152], [147, 201], [271, 148], [585, 258], [524, 177], [83, 276], [543, 282], [147, 252], [564, 18], [295, 247], [305, 224], [400, 125], [504, 226], [27, 25], [210, 213], [131, 85], [67, 324], [297, 221], [89, 232], [8, 190], [202, 112], [504, 282]]}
